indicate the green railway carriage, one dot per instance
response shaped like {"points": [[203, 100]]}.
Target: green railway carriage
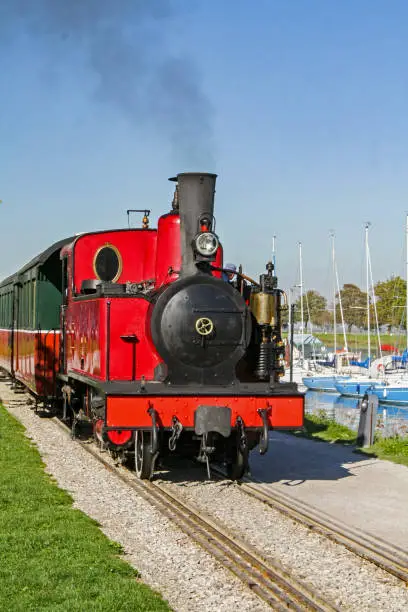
{"points": [[30, 305]]}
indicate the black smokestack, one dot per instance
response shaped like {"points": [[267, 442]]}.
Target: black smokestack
{"points": [[196, 199]]}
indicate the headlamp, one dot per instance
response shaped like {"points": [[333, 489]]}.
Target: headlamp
{"points": [[206, 244]]}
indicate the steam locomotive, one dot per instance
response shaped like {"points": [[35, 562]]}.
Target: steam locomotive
{"points": [[137, 332]]}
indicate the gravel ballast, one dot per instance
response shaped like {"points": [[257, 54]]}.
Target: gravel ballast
{"points": [[346, 579], [187, 576]]}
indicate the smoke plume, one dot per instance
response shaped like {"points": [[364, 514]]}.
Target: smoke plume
{"points": [[123, 43]]}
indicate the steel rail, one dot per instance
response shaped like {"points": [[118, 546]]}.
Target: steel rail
{"points": [[267, 579], [388, 557], [391, 558]]}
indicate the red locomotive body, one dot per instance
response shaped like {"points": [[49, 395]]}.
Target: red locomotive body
{"points": [[159, 351]]}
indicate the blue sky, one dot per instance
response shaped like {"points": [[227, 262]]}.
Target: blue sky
{"points": [[299, 106]]}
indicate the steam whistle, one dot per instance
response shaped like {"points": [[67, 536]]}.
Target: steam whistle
{"points": [[145, 220]]}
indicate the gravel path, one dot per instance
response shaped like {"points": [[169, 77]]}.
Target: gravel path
{"points": [[348, 580], [189, 578]]}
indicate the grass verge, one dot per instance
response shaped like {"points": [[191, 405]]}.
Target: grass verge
{"points": [[319, 427], [54, 557], [358, 342], [392, 449]]}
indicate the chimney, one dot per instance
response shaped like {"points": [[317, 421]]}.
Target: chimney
{"points": [[196, 199]]}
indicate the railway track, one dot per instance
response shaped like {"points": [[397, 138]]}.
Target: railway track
{"points": [[266, 578], [390, 558]]}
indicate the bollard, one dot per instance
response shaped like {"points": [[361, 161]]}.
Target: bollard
{"points": [[368, 420]]}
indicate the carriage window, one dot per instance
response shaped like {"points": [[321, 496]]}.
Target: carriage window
{"points": [[108, 263]]}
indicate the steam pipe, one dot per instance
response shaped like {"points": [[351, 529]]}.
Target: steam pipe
{"points": [[243, 276]]}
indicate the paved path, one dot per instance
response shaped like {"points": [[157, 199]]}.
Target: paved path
{"points": [[366, 493]]}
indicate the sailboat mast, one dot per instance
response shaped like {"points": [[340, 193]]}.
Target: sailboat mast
{"points": [[334, 299], [367, 225], [301, 300], [290, 309], [274, 254], [406, 280]]}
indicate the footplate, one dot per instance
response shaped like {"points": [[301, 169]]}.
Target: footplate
{"points": [[212, 418]]}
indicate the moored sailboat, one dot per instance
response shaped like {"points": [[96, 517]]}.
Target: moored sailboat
{"points": [[392, 387], [332, 371]]}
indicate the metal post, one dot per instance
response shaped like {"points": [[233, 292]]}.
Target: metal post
{"points": [[406, 280], [301, 302], [334, 300], [274, 254], [292, 325], [367, 225], [368, 420]]}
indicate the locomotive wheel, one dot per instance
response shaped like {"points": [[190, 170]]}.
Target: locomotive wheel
{"points": [[238, 460], [144, 460]]}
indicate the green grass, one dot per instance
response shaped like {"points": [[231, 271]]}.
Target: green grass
{"points": [[357, 342], [320, 427], [53, 557], [392, 449]]}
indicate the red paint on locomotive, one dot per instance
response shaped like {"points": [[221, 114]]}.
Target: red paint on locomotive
{"points": [[285, 412], [132, 354], [219, 261], [107, 339], [136, 249], [119, 438], [85, 336], [168, 254]]}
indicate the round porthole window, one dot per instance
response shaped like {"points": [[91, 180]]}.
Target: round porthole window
{"points": [[108, 263]]}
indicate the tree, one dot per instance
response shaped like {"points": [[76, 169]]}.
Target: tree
{"points": [[314, 306], [354, 303], [391, 301]]}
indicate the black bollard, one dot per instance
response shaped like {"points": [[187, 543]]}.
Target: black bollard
{"points": [[368, 420]]}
